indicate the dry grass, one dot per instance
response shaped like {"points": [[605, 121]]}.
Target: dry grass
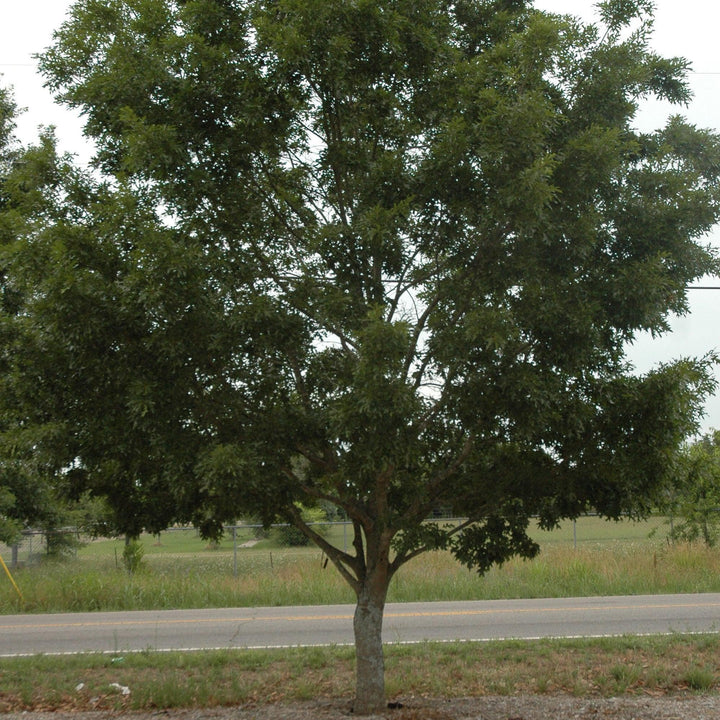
{"points": [[620, 666]]}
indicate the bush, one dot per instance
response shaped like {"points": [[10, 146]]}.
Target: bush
{"points": [[133, 554], [62, 543], [290, 536]]}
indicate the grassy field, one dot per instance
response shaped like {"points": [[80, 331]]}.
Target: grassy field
{"points": [[182, 571], [608, 667], [587, 530]]}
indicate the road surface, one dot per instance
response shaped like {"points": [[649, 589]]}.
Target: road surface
{"points": [[114, 632]]}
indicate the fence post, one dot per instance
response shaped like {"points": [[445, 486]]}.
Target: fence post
{"points": [[235, 564]]}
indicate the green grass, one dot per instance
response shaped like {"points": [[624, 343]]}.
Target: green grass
{"points": [[587, 531], [187, 540], [607, 667]]}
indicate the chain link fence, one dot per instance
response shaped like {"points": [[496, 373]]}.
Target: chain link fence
{"points": [[34, 545]]}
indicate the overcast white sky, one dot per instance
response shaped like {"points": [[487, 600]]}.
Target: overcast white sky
{"points": [[688, 29]]}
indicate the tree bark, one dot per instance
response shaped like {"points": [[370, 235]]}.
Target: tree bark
{"points": [[370, 663]]}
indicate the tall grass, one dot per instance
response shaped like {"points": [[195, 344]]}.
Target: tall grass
{"points": [[301, 577], [172, 582], [562, 571]]}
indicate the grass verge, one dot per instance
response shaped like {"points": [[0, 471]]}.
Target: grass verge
{"points": [[155, 681]]}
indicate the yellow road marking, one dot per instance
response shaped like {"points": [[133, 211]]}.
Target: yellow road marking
{"points": [[343, 616]]}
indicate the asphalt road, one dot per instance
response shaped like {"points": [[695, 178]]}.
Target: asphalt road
{"points": [[332, 624]]}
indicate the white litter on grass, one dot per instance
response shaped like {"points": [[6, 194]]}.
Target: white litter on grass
{"points": [[79, 687], [122, 688]]}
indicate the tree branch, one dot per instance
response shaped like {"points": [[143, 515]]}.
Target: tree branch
{"points": [[420, 508], [344, 562], [401, 560]]}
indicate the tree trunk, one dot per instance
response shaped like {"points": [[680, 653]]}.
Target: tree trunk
{"points": [[370, 664]]}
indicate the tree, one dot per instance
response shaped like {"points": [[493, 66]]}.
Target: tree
{"points": [[9, 523], [383, 255], [696, 501], [24, 497], [92, 377]]}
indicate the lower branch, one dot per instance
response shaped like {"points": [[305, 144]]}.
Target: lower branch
{"points": [[403, 558], [346, 564]]}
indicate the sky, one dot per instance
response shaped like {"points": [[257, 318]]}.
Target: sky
{"points": [[687, 29]]}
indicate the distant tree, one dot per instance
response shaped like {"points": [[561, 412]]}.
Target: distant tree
{"points": [[696, 502], [25, 498], [385, 255]]}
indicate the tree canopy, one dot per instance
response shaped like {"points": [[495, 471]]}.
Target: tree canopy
{"points": [[24, 496], [382, 254]]}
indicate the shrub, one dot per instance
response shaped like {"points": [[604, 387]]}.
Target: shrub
{"points": [[133, 553]]}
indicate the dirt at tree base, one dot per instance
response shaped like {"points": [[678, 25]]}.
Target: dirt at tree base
{"points": [[518, 707]]}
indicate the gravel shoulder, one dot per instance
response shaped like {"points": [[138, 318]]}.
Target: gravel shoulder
{"points": [[523, 707]]}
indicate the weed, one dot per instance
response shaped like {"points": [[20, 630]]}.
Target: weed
{"points": [[542, 685], [132, 555], [625, 676], [700, 679]]}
